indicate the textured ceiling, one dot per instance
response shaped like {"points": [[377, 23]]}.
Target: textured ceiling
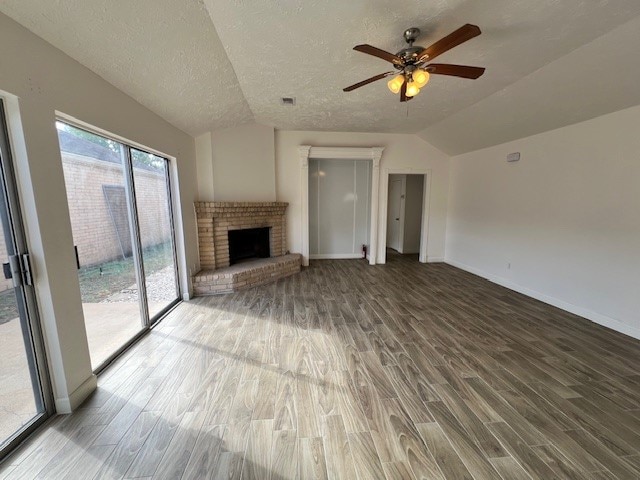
{"points": [[228, 62], [163, 53], [597, 78], [304, 49]]}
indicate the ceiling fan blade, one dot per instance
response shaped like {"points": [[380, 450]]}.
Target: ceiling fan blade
{"points": [[376, 52], [367, 81], [464, 33], [463, 71]]}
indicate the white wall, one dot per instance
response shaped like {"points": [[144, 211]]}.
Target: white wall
{"points": [[243, 165], [566, 217], [401, 152], [204, 159], [412, 213], [38, 80]]}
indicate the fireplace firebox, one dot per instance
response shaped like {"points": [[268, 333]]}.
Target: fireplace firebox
{"points": [[248, 243]]}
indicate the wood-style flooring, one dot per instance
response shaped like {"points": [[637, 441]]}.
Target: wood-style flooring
{"points": [[347, 371]]}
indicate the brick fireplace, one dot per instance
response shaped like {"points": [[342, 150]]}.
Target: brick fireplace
{"points": [[215, 221]]}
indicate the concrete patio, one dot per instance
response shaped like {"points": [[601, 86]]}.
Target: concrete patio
{"points": [[109, 326]]}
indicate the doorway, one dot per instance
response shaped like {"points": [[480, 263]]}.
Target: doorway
{"points": [[24, 387], [405, 203]]}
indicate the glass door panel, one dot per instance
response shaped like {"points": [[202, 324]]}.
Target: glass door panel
{"points": [[22, 401], [153, 203], [18, 400], [105, 240]]}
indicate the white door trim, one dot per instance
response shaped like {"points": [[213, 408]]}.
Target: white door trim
{"points": [[384, 199], [403, 203], [306, 152]]}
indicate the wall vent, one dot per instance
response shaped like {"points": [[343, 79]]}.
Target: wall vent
{"points": [[288, 101]]}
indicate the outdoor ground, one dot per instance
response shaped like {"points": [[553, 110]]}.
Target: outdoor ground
{"points": [[112, 317]]}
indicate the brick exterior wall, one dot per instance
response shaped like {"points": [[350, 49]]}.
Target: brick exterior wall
{"points": [[215, 219], [93, 229]]}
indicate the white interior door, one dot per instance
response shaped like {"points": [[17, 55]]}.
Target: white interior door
{"points": [[394, 214]]}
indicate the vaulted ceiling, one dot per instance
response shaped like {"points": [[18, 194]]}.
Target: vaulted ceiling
{"points": [[214, 64]]}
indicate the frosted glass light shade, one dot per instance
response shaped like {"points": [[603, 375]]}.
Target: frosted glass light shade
{"points": [[395, 84], [420, 78], [412, 89]]}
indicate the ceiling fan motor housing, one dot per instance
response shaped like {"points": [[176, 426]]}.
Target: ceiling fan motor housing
{"points": [[410, 54], [411, 34]]}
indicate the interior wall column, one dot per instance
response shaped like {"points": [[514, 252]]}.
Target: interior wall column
{"points": [[303, 152], [376, 155]]}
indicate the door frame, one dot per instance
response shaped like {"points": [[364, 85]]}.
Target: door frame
{"points": [[148, 321], [182, 266], [306, 152], [27, 302], [384, 200]]}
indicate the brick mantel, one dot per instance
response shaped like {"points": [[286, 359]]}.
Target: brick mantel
{"points": [[239, 209], [215, 219]]}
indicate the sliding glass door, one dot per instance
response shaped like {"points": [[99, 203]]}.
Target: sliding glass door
{"points": [[23, 390], [153, 206], [120, 208]]}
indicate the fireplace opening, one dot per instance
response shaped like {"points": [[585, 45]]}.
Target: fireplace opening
{"points": [[248, 243]]}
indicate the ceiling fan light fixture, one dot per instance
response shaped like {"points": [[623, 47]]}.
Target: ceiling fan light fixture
{"points": [[414, 62], [395, 84], [420, 78], [412, 89]]}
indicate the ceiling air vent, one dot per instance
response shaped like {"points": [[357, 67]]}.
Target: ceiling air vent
{"points": [[288, 101]]}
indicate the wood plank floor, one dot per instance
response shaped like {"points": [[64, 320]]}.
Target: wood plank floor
{"points": [[401, 371]]}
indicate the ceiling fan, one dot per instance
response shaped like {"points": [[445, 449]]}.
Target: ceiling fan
{"points": [[413, 62]]}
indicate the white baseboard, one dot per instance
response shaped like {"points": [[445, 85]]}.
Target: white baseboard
{"points": [[435, 259], [334, 256], [79, 395], [429, 260], [595, 317]]}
